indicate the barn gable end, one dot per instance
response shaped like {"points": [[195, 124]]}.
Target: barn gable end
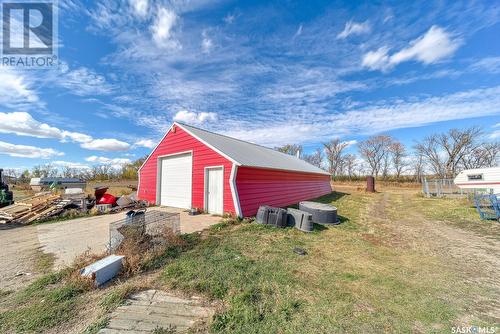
{"points": [[178, 141]]}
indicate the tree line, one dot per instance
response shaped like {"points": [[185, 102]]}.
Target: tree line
{"points": [[101, 172], [442, 155]]}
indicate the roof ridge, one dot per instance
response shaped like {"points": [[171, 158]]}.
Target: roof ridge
{"points": [[241, 140], [245, 153]]}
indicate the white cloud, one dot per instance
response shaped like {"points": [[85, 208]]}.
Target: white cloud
{"points": [[25, 151], [229, 18], [140, 7], [147, 143], [76, 165], [354, 28], [106, 145], [23, 124], [496, 133], [162, 28], [489, 64], [76, 137], [206, 43], [381, 117], [411, 113], [82, 81], [298, 32], [377, 60], [191, 117], [350, 142], [107, 161], [436, 44], [15, 89]]}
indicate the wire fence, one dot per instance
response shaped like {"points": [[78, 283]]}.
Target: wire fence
{"points": [[155, 226], [442, 188]]}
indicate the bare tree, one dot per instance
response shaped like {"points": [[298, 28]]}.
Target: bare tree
{"points": [[315, 158], [483, 155], [375, 150], [44, 171], [397, 152], [444, 152], [350, 164], [429, 149], [102, 172], [12, 172], [25, 176], [291, 149], [456, 144], [334, 156], [418, 167]]}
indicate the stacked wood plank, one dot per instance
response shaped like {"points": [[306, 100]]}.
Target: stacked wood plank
{"points": [[38, 207]]}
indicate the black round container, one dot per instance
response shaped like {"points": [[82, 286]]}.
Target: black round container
{"points": [[321, 213]]}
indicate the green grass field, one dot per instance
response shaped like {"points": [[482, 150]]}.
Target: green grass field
{"points": [[392, 266]]}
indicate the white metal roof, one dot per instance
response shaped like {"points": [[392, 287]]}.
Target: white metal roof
{"points": [[247, 154]]}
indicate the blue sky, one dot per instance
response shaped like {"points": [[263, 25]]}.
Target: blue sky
{"points": [[267, 72]]}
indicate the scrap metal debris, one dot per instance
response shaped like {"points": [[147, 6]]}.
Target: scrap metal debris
{"points": [[299, 251]]}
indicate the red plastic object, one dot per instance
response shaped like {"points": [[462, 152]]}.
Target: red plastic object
{"points": [[107, 199]]}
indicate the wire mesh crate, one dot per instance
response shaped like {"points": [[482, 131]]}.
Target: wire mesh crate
{"points": [[153, 225]]}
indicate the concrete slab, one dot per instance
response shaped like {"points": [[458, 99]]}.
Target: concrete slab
{"points": [[150, 309]]}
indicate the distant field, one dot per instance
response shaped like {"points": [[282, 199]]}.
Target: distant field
{"points": [[116, 188]]}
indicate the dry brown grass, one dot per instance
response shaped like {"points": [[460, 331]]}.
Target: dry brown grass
{"points": [[140, 249]]}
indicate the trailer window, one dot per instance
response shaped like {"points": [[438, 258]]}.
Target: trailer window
{"points": [[475, 177]]}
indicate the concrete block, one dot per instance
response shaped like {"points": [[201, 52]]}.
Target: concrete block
{"points": [[104, 269]]}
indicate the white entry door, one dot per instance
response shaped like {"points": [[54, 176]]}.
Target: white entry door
{"points": [[214, 190], [175, 182]]}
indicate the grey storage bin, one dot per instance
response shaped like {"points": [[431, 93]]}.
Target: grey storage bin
{"points": [[300, 219], [321, 213], [269, 215]]}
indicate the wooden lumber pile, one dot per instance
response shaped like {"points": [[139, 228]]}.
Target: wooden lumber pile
{"points": [[40, 206]]}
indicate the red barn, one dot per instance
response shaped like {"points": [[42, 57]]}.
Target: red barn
{"points": [[195, 168]]}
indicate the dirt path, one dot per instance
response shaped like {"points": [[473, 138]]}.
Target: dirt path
{"points": [[19, 254], [474, 257]]}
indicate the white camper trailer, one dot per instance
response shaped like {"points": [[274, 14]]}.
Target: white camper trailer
{"points": [[487, 179]]}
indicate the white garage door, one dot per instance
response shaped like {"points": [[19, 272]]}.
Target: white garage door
{"points": [[175, 183]]}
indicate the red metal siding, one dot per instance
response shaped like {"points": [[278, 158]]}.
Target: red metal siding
{"points": [[258, 186], [203, 156]]}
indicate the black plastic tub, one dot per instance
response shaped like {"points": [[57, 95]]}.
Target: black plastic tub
{"points": [[269, 215], [321, 213]]}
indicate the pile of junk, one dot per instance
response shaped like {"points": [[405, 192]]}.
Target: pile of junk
{"points": [[59, 196], [105, 202]]}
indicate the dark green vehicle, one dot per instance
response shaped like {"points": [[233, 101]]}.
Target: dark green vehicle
{"points": [[6, 196]]}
